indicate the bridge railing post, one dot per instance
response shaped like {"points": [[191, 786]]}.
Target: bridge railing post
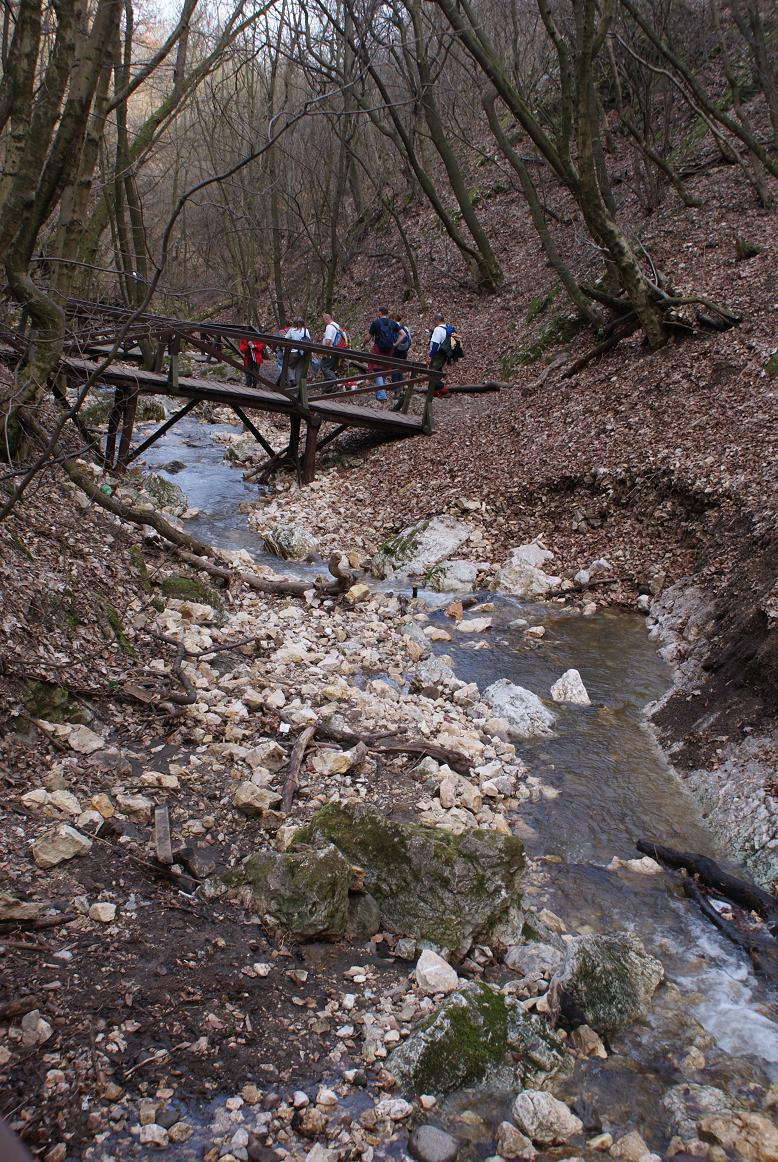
{"points": [[427, 420]]}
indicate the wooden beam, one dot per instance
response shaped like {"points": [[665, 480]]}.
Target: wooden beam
{"points": [[130, 408], [309, 458], [239, 412], [168, 424], [331, 436]]}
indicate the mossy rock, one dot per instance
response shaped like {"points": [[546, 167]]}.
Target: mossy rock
{"points": [[771, 367], [52, 703], [305, 891], [561, 329], [429, 883], [474, 1032], [95, 414], [150, 408], [164, 494], [190, 589], [139, 562], [606, 982]]}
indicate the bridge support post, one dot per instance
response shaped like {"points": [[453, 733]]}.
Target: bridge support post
{"points": [[309, 458]]}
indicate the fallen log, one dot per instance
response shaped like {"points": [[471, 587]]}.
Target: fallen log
{"points": [[477, 388], [292, 780], [279, 586], [762, 950], [392, 744], [740, 892]]}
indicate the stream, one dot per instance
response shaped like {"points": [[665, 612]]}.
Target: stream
{"points": [[614, 787]]}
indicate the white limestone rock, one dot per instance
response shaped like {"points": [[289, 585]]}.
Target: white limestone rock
{"points": [[545, 1120], [523, 575], [570, 688], [434, 974], [525, 714], [61, 844], [418, 548]]}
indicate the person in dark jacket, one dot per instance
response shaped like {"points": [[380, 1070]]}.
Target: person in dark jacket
{"points": [[384, 332]]}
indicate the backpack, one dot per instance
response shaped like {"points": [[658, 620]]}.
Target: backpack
{"points": [[385, 335], [404, 341], [342, 338], [451, 347]]}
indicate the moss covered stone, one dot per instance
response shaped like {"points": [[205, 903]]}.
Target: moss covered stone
{"points": [[190, 589], [473, 1032], [304, 891], [447, 889], [606, 981], [52, 703], [772, 364]]}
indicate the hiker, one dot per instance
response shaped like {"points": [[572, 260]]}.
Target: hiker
{"points": [[384, 332], [300, 332], [253, 352], [437, 357], [401, 348], [335, 337]]}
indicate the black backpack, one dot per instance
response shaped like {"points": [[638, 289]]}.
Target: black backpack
{"points": [[451, 347]]}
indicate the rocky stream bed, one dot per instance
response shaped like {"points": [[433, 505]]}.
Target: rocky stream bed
{"points": [[358, 949]]}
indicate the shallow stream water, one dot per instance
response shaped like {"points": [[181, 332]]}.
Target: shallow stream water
{"points": [[614, 788]]}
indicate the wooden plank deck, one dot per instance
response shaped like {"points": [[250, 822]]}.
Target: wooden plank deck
{"points": [[274, 400]]}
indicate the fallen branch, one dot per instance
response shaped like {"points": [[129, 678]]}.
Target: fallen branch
{"points": [[625, 327], [292, 781], [278, 586], [740, 892], [391, 744], [477, 388], [41, 923], [23, 1005]]}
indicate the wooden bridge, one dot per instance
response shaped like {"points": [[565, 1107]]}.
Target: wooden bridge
{"points": [[100, 334]]}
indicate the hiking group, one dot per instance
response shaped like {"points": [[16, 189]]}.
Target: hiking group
{"points": [[390, 336]]}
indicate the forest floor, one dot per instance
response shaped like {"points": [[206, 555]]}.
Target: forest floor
{"points": [[665, 464]]}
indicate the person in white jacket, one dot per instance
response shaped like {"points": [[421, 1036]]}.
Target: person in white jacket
{"points": [[437, 358]]}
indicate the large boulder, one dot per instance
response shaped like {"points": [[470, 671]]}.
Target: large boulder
{"points": [[305, 891], [525, 714], [61, 844], [419, 548], [523, 576], [606, 982], [443, 888], [469, 1036], [163, 494], [290, 542]]}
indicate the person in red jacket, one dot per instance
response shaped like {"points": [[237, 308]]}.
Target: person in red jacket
{"points": [[253, 352]]}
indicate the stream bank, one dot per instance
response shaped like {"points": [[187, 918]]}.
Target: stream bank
{"points": [[191, 1011]]}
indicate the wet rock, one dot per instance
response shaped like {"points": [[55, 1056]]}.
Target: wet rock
{"points": [[687, 1103], [290, 542], [474, 625], [544, 1119], [56, 846], [444, 888], [153, 1135], [522, 574], [434, 974], [570, 688], [421, 546], [429, 1144], [751, 1136], [607, 981], [455, 576], [306, 890], [525, 714], [511, 1143], [630, 1148], [468, 1036]]}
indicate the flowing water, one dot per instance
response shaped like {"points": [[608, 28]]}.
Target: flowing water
{"points": [[614, 788]]}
